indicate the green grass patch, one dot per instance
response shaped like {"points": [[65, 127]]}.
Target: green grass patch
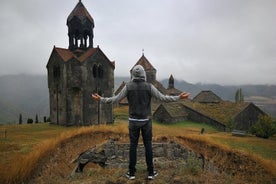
{"points": [[266, 148], [191, 124], [20, 139]]}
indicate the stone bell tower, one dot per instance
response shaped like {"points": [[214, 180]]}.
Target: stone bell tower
{"points": [[80, 28], [74, 73]]}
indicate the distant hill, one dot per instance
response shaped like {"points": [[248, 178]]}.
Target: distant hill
{"points": [[264, 96], [225, 92], [25, 94], [28, 95]]}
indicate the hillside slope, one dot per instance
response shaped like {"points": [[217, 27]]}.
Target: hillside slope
{"points": [[264, 96], [231, 166], [28, 95], [25, 94]]}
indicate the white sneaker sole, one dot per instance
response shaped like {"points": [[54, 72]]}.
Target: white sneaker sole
{"points": [[130, 177], [152, 177]]}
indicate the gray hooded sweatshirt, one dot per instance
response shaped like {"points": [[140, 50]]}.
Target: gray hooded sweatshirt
{"points": [[139, 94]]}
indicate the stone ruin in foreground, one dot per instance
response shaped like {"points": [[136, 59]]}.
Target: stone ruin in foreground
{"points": [[113, 154]]}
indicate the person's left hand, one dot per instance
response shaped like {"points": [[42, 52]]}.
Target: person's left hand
{"points": [[184, 95], [96, 96]]}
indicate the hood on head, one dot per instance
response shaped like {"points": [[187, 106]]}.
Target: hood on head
{"points": [[138, 73]]}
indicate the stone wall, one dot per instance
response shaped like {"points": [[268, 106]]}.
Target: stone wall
{"points": [[113, 154]]}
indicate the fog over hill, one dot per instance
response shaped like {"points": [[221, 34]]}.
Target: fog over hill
{"points": [[28, 95], [25, 94]]}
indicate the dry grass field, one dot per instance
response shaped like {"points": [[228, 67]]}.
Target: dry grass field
{"points": [[42, 153]]}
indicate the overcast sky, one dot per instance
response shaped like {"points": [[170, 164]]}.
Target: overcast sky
{"points": [[209, 41]]}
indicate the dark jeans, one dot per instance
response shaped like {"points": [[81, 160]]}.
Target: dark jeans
{"points": [[134, 132]]}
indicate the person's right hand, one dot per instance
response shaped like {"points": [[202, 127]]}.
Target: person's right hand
{"points": [[184, 95], [96, 96]]}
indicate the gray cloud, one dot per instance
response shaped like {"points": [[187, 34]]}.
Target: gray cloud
{"points": [[209, 41]]}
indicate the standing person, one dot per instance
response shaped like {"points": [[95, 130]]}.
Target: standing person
{"points": [[139, 94]]}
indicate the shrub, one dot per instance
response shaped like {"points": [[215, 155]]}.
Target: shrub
{"points": [[239, 96], [193, 166], [230, 124], [20, 119], [36, 118], [265, 127], [30, 121], [48, 119]]}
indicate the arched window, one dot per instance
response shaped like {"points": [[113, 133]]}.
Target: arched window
{"points": [[98, 71], [56, 72], [95, 71]]}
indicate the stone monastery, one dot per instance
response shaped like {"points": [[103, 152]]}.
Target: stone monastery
{"points": [[81, 69]]}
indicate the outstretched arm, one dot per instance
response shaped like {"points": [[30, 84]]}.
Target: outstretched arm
{"points": [[167, 98], [112, 99]]}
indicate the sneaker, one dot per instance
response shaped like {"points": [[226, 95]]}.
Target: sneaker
{"points": [[130, 176], [151, 176]]}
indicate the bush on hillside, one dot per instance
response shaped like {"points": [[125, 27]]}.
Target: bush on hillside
{"points": [[30, 121], [193, 166], [230, 124], [265, 127], [48, 119], [44, 119], [20, 119], [36, 118]]}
